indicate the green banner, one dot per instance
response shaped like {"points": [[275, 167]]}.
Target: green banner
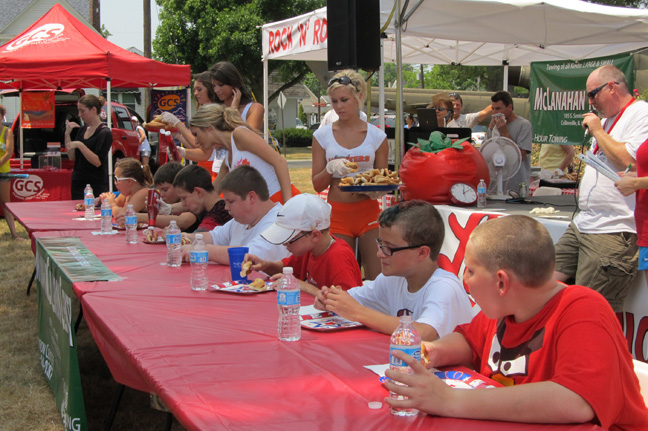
{"points": [[558, 98], [59, 263]]}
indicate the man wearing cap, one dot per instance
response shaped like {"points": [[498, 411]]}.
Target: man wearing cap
{"points": [[318, 258], [467, 120]]}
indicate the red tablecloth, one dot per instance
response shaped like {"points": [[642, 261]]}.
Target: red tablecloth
{"points": [[214, 358], [215, 361]]}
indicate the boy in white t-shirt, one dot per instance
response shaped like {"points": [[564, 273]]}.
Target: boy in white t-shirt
{"points": [[247, 199], [410, 237]]}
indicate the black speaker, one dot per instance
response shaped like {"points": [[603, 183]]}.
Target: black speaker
{"points": [[353, 34]]}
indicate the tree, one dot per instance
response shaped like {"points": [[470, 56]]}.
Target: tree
{"points": [[203, 32]]}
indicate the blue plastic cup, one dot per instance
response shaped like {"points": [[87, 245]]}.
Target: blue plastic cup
{"points": [[236, 256]]}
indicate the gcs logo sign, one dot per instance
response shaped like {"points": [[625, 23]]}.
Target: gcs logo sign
{"points": [[167, 103], [27, 187]]}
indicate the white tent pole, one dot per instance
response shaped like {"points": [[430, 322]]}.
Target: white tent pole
{"points": [[381, 87], [22, 140], [109, 122], [398, 137], [506, 65], [265, 99]]}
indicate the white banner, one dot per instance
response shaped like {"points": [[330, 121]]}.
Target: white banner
{"points": [[301, 34]]}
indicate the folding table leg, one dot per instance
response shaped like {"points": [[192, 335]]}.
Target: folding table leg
{"points": [[79, 317], [31, 281], [113, 410]]}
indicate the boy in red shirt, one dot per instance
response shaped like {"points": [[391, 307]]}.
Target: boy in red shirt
{"points": [[559, 350], [318, 258]]}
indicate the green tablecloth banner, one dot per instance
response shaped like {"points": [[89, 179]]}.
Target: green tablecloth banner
{"points": [[59, 263]]}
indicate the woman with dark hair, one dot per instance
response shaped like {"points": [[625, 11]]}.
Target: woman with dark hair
{"points": [[204, 95], [230, 91], [90, 148]]}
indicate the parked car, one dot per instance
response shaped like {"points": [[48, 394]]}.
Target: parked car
{"points": [[478, 135], [390, 121], [314, 126], [125, 138], [299, 124]]}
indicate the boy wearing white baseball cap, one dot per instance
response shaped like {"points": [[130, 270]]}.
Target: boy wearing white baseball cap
{"points": [[318, 258]]}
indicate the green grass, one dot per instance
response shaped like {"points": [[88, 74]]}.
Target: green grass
{"points": [[297, 153]]}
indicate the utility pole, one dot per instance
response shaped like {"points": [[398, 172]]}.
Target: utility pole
{"points": [[147, 47]]}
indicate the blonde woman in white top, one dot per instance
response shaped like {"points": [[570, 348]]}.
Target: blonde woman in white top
{"points": [[216, 126], [354, 215]]}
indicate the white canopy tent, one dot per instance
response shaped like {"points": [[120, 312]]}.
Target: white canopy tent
{"points": [[472, 32]]}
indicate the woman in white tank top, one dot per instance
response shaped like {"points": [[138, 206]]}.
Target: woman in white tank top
{"points": [[353, 215], [216, 126]]}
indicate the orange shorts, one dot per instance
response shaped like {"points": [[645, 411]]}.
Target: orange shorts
{"points": [[278, 197], [354, 219], [207, 164]]}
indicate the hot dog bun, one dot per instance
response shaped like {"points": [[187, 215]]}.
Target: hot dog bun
{"points": [[353, 166]]}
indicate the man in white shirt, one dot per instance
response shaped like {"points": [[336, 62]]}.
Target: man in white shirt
{"points": [[599, 248], [247, 199], [467, 120]]}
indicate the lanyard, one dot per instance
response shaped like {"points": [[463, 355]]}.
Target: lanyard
{"points": [[614, 123]]}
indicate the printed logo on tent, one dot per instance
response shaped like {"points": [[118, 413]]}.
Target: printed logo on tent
{"points": [[46, 33], [26, 188]]}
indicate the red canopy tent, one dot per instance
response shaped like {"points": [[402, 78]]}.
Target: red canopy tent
{"points": [[59, 51]]}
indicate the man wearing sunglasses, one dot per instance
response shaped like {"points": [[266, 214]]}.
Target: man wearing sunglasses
{"points": [[599, 248]]}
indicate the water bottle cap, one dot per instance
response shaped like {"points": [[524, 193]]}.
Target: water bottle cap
{"points": [[198, 236], [131, 206], [173, 222], [288, 270]]}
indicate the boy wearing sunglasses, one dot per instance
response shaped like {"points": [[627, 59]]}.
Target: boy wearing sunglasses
{"points": [[318, 258], [410, 236]]}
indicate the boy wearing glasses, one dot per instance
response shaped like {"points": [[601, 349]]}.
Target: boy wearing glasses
{"points": [[410, 236], [318, 258]]}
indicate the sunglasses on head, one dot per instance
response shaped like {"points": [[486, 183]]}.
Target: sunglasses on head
{"points": [[344, 80], [455, 96]]}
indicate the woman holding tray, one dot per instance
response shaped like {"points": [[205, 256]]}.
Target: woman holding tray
{"points": [[349, 139]]}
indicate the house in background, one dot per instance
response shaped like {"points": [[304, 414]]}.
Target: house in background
{"points": [[312, 106], [294, 95]]}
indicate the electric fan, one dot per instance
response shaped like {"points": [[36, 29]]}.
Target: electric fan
{"points": [[504, 159]]}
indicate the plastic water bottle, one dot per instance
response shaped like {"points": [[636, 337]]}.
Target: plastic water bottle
{"points": [[288, 302], [130, 220], [406, 339], [88, 202], [198, 258], [481, 194], [174, 245], [106, 217]]}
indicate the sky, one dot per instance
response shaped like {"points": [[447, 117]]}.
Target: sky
{"points": [[124, 19]]}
